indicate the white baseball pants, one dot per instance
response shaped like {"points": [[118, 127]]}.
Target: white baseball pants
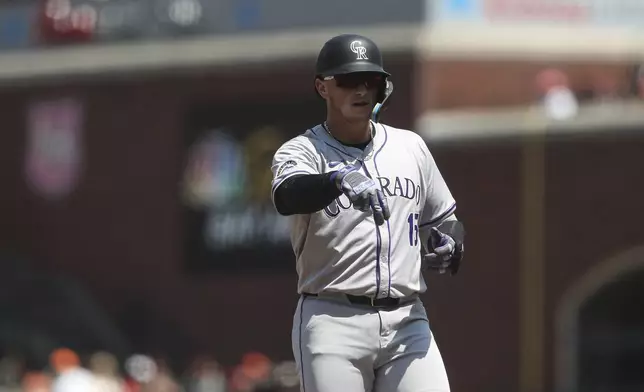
{"points": [[341, 347]]}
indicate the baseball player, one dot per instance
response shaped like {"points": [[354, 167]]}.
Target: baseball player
{"points": [[370, 212]]}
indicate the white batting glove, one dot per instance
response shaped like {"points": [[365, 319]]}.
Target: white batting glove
{"points": [[363, 192]]}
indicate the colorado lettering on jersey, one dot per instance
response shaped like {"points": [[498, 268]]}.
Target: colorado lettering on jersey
{"points": [[409, 191], [396, 187]]}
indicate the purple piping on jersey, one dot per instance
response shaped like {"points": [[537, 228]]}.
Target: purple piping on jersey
{"points": [[388, 227], [378, 238], [442, 216], [378, 247]]}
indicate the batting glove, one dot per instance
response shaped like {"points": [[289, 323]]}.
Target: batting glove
{"points": [[363, 192], [444, 254]]}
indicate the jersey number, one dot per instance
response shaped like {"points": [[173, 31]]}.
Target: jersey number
{"points": [[413, 229]]}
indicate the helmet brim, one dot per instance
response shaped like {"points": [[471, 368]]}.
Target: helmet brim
{"points": [[353, 68]]}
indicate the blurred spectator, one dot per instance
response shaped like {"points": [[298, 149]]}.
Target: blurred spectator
{"points": [[206, 375], [140, 369], [36, 382], [70, 375], [240, 382], [131, 385], [162, 380], [557, 98], [286, 376], [253, 371], [105, 368], [257, 366]]}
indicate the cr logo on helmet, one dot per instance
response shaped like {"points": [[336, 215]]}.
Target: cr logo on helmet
{"points": [[361, 51]]}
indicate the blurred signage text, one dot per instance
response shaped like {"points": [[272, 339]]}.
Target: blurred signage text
{"points": [[618, 13], [538, 10]]}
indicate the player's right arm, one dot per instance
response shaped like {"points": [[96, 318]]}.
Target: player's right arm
{"points": [[298, 186]]}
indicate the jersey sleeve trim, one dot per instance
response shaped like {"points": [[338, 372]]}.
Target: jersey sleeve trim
{"points": [[441, 217]]}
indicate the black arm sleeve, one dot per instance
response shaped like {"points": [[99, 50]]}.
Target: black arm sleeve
{"points": [[305, 194]]}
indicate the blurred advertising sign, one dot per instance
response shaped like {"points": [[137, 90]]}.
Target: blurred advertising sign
{"points": [[225, 187], [53, 157], [83, 21], [512, 10], [63, 21], [538, 10], [95, 21], [624, 13]]}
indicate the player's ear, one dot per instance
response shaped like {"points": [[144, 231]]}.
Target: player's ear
{"points": [[320, 86]]}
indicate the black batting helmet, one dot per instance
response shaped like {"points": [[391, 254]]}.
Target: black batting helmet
{"points": [[348, 53]]}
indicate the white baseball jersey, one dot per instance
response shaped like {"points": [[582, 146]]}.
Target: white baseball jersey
{"points": [[340, 248]]}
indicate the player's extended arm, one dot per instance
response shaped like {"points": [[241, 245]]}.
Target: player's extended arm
{"points": [[305, 194], [309, 193]]}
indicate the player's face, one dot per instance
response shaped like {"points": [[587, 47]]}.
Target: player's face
{"points": [[353, 95]]}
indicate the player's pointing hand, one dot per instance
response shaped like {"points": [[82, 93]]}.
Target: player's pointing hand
{"points": [[363, 192]]}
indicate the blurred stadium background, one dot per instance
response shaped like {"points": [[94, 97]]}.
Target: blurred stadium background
{"points": [[137, 237]]}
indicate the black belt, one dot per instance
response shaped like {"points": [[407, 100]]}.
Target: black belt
{"points": [[387, 302]]}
